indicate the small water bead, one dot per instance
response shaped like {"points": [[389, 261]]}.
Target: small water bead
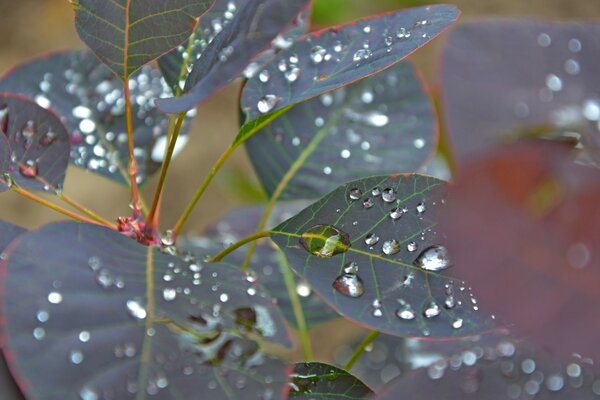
{"points": [[575, 45], [574, 370], [223, 297], [319, 122], [457, 323], [403, 33], [267, 103], [87, 126], [391, 247], [351, 268], [317, 54], [82, 112], [169, 294], [376, 192], [39, 333], [354, 194], [292, 74], [136, 310], [554, 83], [325, 241], [264, 76], [572, 67], [282, 65], [87, 393], [76, 357], [555, 382], [327, 170], [419, 143], [303, 289], [396, 213], [368, 203], [528, 366], [421, 208], [367, 97], [544, 40], [345, 154], [591, 110], [55, 298], [377, 311], [327, 99], [349, 284], [362, 54], [432, 310], [412, 246], [29, 169], [388, 195], [405, 311], [371, 239], [84, 336], [42, 316]]}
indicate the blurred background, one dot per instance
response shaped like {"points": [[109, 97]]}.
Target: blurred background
{"points": [[31, 27]]}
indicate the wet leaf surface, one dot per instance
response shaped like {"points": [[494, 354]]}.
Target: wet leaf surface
{"points": [[507, 78], [126, 34], [322, 381], [267, 263], [226, 41], [377, 257], [327, 60], [522, 227], [113, 318], [89, 99], [508, 371], [382, 124], [38, 145]]}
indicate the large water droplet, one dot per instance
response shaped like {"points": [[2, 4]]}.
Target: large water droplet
{"points": [[325, 241], [432, 310], [396, 213], [391, 247], [354, 194], [349, 284], [136, 310], [267, 103], [434, 258], [388, 195]]}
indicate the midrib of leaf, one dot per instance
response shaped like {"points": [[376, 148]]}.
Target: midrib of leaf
{"points": [[126, 44], [146, 354]]}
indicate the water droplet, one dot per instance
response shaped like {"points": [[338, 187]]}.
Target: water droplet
{"points": [[396, 213], [87, 126], [377, 308], [367, 97], [76, 357], [292, 74], [42, 316], [434, 258], [362, 54], [391, 247], [267, 103], [554, 83], [376, 192], [224, 297], [412, 246], [419, 143], [368, 203], [317, 54], [349, 284], [303, 289], [264, 76], [84, 336], [354, 194], [136, 310], [376, 119], [345, 154], [544, 40], [168, 238], [457, 323], [39, 333], [55, 298], [371, 239], [572, 67], [169, 294], [432, 310], [87, 393], [388, 195], [574, 45], [555, 382], [48, 138], [591, 110], [325, 241], [405, 311], [421, 208], [29, 169]]}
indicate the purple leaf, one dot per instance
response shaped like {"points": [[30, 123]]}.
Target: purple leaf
{"points": [[89, 99], [327, 60], [111, 317], [372, 250], [38, 144], [502, 78], [522, 226], [247, 29], [380, 125], [126, 34]]}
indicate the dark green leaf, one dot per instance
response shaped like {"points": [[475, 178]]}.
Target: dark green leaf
{"points": [[387, 225], [327, 60], [89, 99], [247, 29], [126, 34], [382, 124], [322, 381], [111, 317], [38, 144]]}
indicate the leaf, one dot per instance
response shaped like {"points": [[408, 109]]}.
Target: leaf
{"points": [[112, 316], [127, 34], [215, 21], [39, 144], [369, 262], [327, 60], [245, 33], [267, 264], [89, 99], [382, 124], [530, 78], [522, 226], [325, 381], [507, 371]]}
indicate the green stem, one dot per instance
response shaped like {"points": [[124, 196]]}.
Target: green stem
{"points": [[288, 278], [133, 166], [164, 169], [84, 210], [238, 244], [370, 338], [190, 207]]}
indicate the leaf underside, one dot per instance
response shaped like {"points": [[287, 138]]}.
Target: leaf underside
{"points": [[382, 124], [114, 318], [89, 99], [318, 380], [391, 293]]}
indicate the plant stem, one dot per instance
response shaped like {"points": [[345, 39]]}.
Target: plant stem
{"points": [[288, 278], [190, 207], [172, 140], [370, 338], [58, 209], [239, 244], [85, 211], [133, 167]]}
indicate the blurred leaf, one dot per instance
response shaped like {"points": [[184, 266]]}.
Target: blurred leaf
{"points": [[38, 144], [372, 250], [317, 380], [382, 124], [89, 99], [501, 77], [327, 60], [226, 40], [126, 34], [112, 316]]}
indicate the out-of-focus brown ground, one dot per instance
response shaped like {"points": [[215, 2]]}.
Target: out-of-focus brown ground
{"points": [[30, 27]]}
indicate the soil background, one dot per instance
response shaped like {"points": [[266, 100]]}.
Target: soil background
{"points": [[31, 27]]}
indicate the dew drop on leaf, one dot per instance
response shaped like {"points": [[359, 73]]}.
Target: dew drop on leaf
{"points": [[405, 311], [169, 294], [355, 194], [431, 310], [136, 310], [391, 247], [267, 103], [325, 241], [388, 195], [29, 169], [349, 284], [371, 239], [433, 258]]}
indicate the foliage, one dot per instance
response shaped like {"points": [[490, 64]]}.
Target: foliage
{"points": [[339, 121]]}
